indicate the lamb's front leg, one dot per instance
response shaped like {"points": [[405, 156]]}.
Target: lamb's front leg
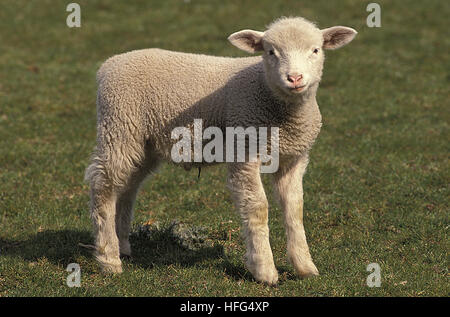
{"points": [[244, 182], [288, 185]]}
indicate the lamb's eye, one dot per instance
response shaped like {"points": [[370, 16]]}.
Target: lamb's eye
{"points": [[316, 50], [271, 52]]}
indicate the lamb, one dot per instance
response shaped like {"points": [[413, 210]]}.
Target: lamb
{"points": [[144, 95]]}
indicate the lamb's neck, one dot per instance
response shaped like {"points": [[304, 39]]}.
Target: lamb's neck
{"points": [[299, 122], [294, 107], [296, 104]]}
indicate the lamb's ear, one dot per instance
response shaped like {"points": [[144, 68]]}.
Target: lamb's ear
{"points": [[337, 36], [247, 40]]}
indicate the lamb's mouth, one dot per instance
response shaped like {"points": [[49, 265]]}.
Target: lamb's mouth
{"points": [[297, 88]]}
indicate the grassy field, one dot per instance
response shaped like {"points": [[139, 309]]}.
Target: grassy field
{"points": [[376, 190]]}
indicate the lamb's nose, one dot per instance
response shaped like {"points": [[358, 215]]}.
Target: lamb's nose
{"points": [[294, 78]]}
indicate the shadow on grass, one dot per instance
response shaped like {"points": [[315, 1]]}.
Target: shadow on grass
{"points": [[236, 272], [239, 272], [61, 248], [162, 251]]}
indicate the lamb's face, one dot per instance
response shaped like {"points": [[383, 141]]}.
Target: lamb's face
{"points": [[293, 56], [292, 51]]}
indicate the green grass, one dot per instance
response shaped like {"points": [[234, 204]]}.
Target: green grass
{"points": [[377, 187]]}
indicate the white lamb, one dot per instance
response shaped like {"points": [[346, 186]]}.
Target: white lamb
{"points": [[143, 95]]}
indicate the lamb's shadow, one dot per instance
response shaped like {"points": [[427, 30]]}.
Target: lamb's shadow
{"points": [[59, 247], [62, 247], [161, 250], [237, 272]]}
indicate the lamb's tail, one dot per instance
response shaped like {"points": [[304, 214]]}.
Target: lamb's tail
{"points": [[95, 171]]}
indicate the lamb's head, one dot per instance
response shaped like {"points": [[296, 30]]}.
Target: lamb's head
{"points": [[292, 51]]}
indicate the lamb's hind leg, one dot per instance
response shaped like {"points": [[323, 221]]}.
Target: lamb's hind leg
{"points": [[124, 214], [113, 190], [288, 185], [125, 205], [103, 210], [244, 181]]}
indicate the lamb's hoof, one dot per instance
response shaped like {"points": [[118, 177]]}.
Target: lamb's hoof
{"points": [[308, 270], [111, 269], [110, 266], [266, 275]]}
